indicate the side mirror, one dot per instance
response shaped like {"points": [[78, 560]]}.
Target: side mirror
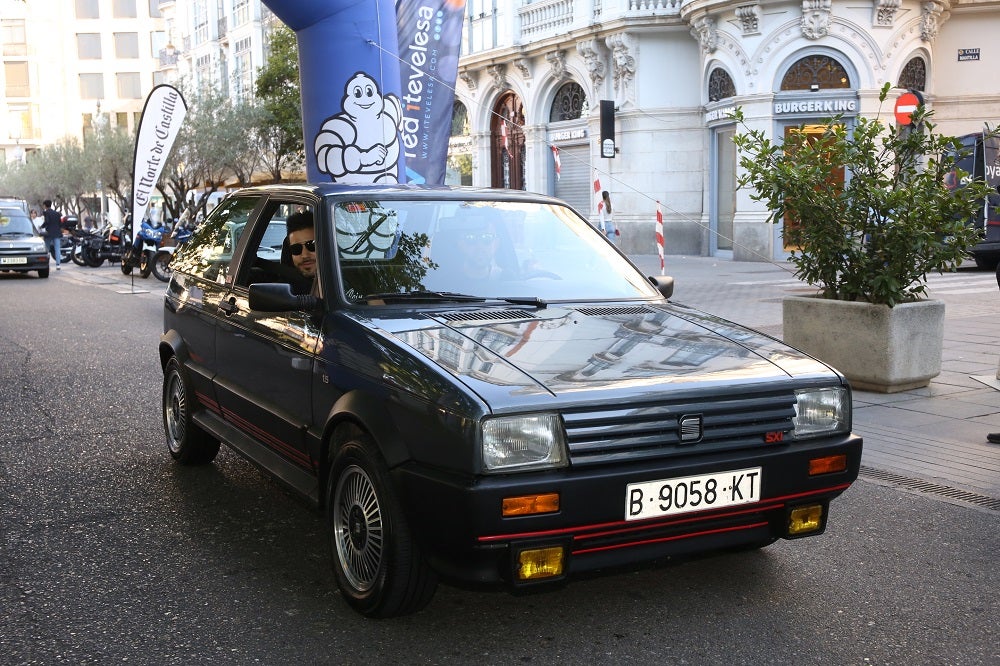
{"points": [[278, 297], [664, 284]]}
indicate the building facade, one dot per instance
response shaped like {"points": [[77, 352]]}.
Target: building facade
{"points": [[215, 43], [531, 79], [68, 64], [675, 69]]}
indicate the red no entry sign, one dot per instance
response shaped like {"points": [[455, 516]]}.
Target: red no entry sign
{"points": [[906, 104]]}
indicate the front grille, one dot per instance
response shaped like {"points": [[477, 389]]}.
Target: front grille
{"points": [[615, 310], [654, 430], [486, 315]]}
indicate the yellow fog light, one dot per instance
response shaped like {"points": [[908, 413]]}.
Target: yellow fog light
{"points": [[527, 505], [805, 519], [540, 563], [827, 464]]}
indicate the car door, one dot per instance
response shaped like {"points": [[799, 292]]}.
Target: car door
{"points": [[266, 359], [202, 277]]}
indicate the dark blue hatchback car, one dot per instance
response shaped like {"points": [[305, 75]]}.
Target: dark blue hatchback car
{"points": [[477, 387]]}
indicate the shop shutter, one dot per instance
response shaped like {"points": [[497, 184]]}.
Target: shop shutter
{"points": [[575, 184]]}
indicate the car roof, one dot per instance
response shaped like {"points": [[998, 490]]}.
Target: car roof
{"points": [[430, 192]]}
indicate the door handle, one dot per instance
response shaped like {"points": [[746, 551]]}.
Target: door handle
{"points": [[228, 307]]}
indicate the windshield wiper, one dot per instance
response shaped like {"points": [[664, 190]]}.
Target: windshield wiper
{"points": [[523, 300], [15, 233], [423, 297]]}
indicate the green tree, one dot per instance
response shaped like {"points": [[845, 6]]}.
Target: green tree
{"points": [[200, 159], [876, 236], [110, 152], [279, 127]]}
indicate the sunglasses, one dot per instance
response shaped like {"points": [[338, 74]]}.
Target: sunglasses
{"points": [[296, 248]]}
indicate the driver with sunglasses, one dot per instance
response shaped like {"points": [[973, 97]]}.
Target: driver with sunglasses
{"points": [[302, 249], [302, 242]]}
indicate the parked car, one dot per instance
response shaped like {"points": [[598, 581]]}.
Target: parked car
{"points": [[480, 388], [22, 249]]}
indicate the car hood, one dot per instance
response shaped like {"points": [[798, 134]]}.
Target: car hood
{"points": [[513, 356], [19, 241]]}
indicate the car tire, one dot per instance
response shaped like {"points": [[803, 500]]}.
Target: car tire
{"points": [[379, 569], [187, 442], [43, 272], [987, 262]]}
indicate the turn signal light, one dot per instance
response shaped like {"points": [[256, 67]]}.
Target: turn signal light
{"points": [[540, 563], [805, 519], [827, 464], [527, 505]]}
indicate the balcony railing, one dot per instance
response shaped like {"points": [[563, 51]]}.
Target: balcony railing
{"points": [[548, 17], [542, 19]]}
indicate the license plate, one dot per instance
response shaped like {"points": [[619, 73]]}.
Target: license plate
{"points": [[667, 497], [13, 260]]}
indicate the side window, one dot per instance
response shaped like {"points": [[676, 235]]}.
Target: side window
{"points": [[209, 253], [273, 259]]}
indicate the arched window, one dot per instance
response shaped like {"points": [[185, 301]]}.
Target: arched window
{"points": [[569, 103], [720, 85], [459, 120], [914, 75], [815, 72]]}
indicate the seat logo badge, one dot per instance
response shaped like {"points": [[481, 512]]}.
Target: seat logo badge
{"points": [[691, 428]]}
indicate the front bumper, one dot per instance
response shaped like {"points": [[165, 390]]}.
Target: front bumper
{"points": [[459, 526], [33, 261]]}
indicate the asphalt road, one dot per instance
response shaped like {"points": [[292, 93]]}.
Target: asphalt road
{"points": [[110, 553]]}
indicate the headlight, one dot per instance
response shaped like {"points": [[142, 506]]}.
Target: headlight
{"points": [[821, 411], [512, 443], [38, 246]]}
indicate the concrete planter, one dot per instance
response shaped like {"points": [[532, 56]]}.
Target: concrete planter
{"points": [[876, 347]]}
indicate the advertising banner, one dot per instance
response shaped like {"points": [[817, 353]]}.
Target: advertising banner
{"points": [[377, 84], [158, 126], [430, 38]]}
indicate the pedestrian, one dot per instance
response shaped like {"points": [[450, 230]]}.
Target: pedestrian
{"points": [[52, 224], [607, 223]]}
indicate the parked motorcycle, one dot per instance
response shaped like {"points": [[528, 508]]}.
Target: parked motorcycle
{"points": [[106, 245], [80, 238], [139, 253], [68, 244], [163, 256]]}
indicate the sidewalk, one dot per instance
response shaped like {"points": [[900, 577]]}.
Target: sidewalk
{"points": [[931, 439]]}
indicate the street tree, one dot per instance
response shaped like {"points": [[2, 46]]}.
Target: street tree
{"points": [[110, 153], [200, 161], [280, 125]]}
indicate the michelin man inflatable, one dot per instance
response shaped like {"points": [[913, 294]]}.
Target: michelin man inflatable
{"points": [[361, 143]]}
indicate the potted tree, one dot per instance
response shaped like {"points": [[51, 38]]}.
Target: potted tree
{"points": [[870, 210]]}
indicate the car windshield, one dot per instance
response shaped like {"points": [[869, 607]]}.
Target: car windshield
{"points": [[14, 223], [395, 250]]}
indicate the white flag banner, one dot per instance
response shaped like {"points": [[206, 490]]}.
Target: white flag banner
{"points": [[161, 120]]}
